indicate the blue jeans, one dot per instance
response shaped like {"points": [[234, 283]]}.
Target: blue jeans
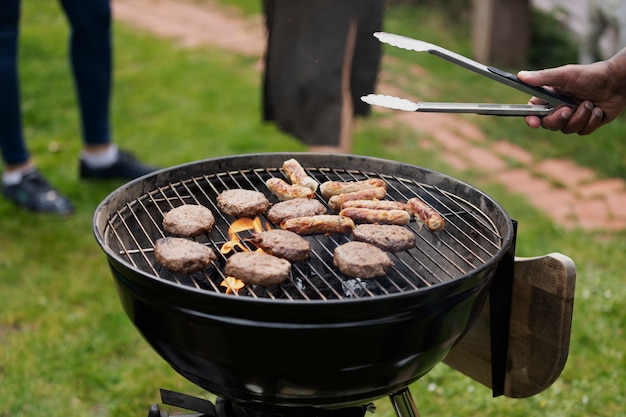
{"points": [[90, 46]]}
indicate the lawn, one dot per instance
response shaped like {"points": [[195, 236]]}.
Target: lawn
{"points": [[66, 346]]}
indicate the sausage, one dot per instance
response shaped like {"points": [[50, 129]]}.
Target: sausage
{"points": [[319, 224], [335, 202], [426, 215], [375, 204], [331, 188], [284, 191], [297, 175], [367, 215]]}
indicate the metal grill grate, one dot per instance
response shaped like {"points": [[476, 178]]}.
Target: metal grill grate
{"points": [[469, 240]]}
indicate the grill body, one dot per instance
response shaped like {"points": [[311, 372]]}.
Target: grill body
{"points": [[307, 351]]}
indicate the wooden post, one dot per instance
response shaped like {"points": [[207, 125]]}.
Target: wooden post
{"points": [[501, 32]]}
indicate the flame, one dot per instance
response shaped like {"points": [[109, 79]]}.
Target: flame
{"points": [[233, 284], [237, 226]]}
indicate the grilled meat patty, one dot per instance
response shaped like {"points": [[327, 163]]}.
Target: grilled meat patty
{"points": [[242, 203], [284, 244], [183, 255], [391, 238], [298, 207], [258, 268], [361, 260], [189, 220]]}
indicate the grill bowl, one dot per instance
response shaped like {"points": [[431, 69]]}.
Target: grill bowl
{"points": [[308, 352]]}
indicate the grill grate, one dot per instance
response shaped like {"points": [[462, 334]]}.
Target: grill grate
{"points": [[469, 240]]}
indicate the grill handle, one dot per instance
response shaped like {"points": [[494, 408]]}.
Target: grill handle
{"points": [[540, 328]]}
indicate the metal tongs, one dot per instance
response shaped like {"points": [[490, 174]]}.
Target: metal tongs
{"points": [[554, 100]]}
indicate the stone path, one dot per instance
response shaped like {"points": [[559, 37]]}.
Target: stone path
{"points": [[569, 194]]}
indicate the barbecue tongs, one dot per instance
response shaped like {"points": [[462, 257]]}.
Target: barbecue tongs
{"points": [[553, 99]]}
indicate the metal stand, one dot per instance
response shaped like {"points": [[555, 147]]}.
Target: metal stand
{"points": [[403, 404]]}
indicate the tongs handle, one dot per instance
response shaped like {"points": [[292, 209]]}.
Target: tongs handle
{"points": [[540, 92]]}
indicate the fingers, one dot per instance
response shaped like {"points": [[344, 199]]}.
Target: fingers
{"points": [[595, 121], [533, 122], [583, 121]]}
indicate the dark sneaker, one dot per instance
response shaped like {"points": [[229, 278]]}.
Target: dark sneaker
{"points": [[126, 168], [34, 193]]}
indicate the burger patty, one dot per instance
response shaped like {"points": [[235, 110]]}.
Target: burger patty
{"points": [[242, 203], [284, 244], [298, 207], [189, 220], [361, 260], [258, 268], [390, 238], [182, 255]]}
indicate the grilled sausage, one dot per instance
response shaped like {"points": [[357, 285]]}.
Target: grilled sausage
{"points": [[375, 204], [331, 188], [320, 224], [335, 202], [366, 215], [297, 175], [426, 215], [285, 191]]}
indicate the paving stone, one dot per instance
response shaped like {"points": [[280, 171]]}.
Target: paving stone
{"points": [[515, 152], [564, 172], [451, 141], [522, 182], [470, 131], [484, 160], [599, 188], [457, 163], [617, 204], [592, 214], [556, 203]]}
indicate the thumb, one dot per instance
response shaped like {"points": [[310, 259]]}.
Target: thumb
{"points": [[552, 77]]}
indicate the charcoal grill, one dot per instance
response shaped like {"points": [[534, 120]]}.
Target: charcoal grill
{"points": [[321, 342]]}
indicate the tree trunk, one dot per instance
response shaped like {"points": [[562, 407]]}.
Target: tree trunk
{"points": [[501, 32]]}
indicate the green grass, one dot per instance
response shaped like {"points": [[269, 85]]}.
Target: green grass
{"points": [[66, 346]]}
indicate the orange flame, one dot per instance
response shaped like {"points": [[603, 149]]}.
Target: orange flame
{"points": [[233, 284], [237, 226]]}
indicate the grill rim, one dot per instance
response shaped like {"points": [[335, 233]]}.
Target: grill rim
{"points": [[220, 165]]}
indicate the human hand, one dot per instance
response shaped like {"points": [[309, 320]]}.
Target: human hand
{"points": [[599, 88]]}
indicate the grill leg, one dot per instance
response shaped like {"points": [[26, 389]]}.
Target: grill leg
{"points": [[403, 404]]}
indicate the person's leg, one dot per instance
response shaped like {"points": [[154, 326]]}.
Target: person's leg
{"points": [[90, 47], [12, 146], [21, 182], [91, 56]]}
